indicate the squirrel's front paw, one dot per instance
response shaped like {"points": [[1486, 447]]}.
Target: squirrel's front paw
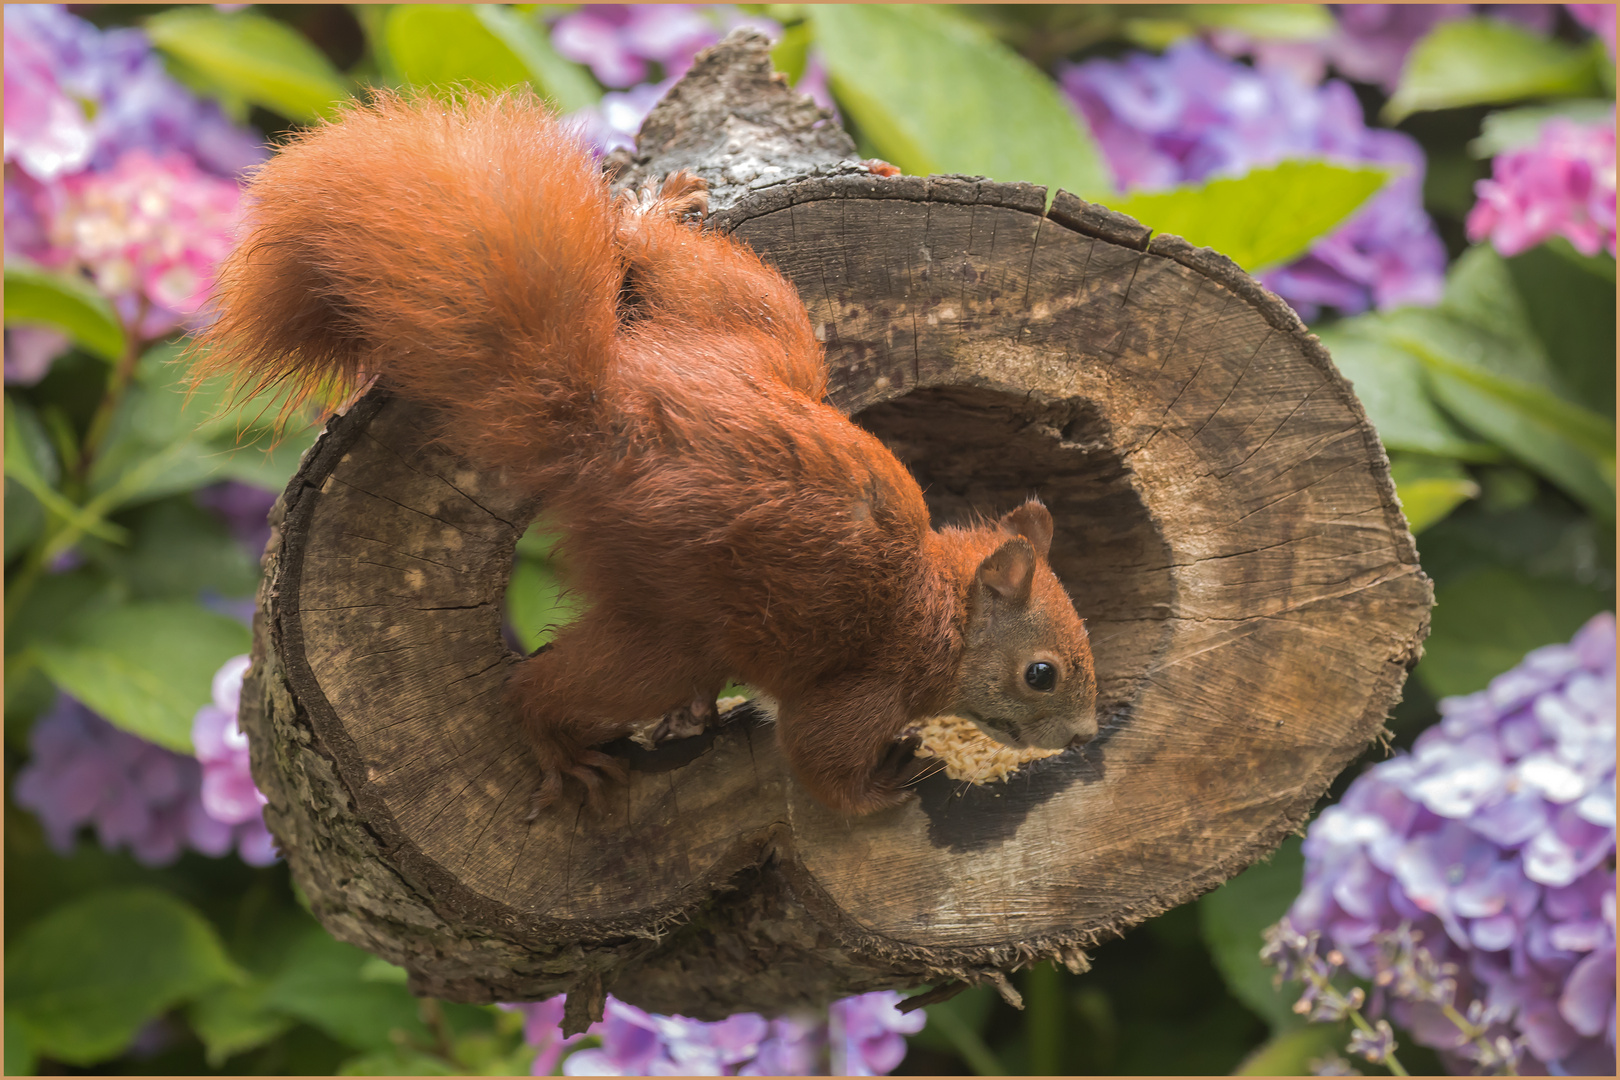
{"points": [[899, 767], [589, 767]]}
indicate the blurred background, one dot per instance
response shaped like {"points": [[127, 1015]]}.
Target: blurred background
{"points": [[1432, 187]]}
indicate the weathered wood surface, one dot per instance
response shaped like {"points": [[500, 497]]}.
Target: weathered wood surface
{"points": [[1225, 522]]}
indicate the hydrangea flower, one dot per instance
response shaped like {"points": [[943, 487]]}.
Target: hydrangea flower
{"points": [[1493, 844], [1191, 114], [861, 1036], [1564, 185], [123, 95], [621, 43], [137, 795], [227, 792], [90, 116], [151, 232]]}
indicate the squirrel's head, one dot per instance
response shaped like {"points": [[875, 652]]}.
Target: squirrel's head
{"points": [[1025, 677]]}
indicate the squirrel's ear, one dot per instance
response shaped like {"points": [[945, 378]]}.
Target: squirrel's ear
{"points": [[1010, 570], [1033, 522]]}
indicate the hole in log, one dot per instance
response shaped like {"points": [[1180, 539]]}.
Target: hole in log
{"points": [[978, 451]]}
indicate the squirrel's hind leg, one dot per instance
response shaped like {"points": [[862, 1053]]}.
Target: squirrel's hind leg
{"points": [[598, 679]]}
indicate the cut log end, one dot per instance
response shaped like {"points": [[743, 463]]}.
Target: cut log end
{"points": [[1224, 521]]}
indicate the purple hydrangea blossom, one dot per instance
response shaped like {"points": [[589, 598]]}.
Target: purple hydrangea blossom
{"points": [[867, 1033], [1192, 114], [1494, 841], [860, 1036], [137, 795], [122, 94], [623, 43], [1564, 185]]}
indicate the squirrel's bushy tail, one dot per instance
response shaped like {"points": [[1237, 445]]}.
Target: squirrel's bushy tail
{"points": [[462, 252]]}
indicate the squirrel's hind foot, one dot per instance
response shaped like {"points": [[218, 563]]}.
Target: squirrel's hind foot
{"points": [[590, 768]]}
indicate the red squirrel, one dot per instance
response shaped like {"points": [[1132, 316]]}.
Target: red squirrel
{"points": [[661, 389]]}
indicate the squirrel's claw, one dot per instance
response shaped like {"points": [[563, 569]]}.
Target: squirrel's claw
{"points": [[590, 768]]}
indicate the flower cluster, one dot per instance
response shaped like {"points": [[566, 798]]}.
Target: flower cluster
{"points": [[150, 232], [1191, 114], [861, 1036], [140, 796], [627, 45], [115, 170], [1492, 843], [1564, 185]]}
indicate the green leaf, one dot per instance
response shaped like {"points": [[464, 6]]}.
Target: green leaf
{"points": [[566, 83], [1281, 22], [956, 1026], [1389, 383], [1572, 312], [31, 462], [1263, 218], [322, 985], [1275, 22], [147, 667], [1232, 918], [1429, 488], [443, 45], [167, 438], [1572, 446], [20, 1057], [1484, 623], [67, 302], [1483, 61], [935, 93], [537, 604], [30, 457], [1290, 1053], [54, 602], [84, 978], [176, 550], [1483, 363], [398, 1061], [25, 519], [234, 1019], [1515, 129], [252, 56]]}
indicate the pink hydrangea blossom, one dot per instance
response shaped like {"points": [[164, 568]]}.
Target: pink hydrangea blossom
{"points": [[1598, 18], [228, 792], [1564, 185], [151, 231], [46, 130]]}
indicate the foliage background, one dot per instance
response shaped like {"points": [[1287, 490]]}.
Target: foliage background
{"points": [[1495, 399]]}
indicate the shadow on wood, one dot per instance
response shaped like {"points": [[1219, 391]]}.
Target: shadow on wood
{"points": [[1224, 520]]}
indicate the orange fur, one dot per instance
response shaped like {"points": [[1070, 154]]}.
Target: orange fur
{"points": [[661, 388]]}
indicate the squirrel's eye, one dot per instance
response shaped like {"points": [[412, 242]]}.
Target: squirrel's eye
{"points": [[1040, 675]]}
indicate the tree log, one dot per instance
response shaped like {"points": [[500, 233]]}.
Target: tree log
{"points": [[1224, 520]]}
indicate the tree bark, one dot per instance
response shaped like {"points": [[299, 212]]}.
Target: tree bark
{"points": [[1224, 520]]}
